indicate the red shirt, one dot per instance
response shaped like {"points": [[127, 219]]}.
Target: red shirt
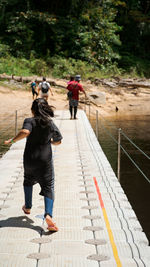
{"points": [[75, 87]]}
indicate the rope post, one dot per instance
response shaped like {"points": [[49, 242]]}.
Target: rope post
{"points": [[89, 110], [119, 153], [16, 122], [97, 124]]}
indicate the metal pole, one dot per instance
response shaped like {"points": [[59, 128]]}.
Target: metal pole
{"points": [[119, 153], [97, 124], [16, 121], [89, 110]]}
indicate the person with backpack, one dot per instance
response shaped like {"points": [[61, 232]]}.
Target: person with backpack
{"points": [[73, 95], [33, 87], [44, 87]]}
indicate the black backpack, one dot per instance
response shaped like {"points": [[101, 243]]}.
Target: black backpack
{"points": [[44, 88], [70, 94]]}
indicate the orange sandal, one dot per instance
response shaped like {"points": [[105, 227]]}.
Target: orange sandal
{"points": [[51, 225], [52, 228], [26, 211]]}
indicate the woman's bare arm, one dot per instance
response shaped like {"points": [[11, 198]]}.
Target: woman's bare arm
{"points": [[22, 134]]}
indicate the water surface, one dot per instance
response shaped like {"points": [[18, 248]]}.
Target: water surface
{"points": [[136, 187]]}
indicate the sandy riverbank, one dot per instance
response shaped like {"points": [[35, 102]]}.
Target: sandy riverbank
{"points": [[130, 102]]}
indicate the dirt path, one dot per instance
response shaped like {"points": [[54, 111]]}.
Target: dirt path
{"points": [[12, 100]]}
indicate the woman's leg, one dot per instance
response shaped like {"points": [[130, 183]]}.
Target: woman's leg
{"points": [[48, 186], [48, 206], [51, 226], [28, 196]]}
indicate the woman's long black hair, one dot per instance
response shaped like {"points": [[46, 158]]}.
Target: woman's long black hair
{"points": [[42, 111]]}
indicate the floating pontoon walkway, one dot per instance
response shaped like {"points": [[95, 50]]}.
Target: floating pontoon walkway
{"points": [[97, 225]]}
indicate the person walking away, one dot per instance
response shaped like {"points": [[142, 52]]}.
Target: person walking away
{"points": [[75, 87], [41, 132], [33, 87], [44, 87]]}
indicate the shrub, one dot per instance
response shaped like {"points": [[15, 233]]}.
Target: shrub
{"points": [[38, 67], [61, 67]]}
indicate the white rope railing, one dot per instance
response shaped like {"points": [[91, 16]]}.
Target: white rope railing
{"points": [[120, 132]]}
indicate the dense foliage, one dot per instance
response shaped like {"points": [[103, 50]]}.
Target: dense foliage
{"points": [[134, 16], [104, 34]]}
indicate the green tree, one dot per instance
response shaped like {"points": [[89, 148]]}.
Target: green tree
{"points": [[82, 30], [134, 17]]}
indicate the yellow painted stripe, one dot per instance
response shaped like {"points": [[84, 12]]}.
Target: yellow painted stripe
{"points": [[114, 248], [111, 238]]}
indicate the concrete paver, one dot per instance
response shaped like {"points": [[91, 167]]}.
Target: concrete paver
{"points": [[67, 261], [11, 260]]}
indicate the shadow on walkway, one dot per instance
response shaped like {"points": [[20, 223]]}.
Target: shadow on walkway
{"points": [[20, 222]]}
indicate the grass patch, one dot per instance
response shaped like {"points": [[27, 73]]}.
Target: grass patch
{"points": [[60, 67]]}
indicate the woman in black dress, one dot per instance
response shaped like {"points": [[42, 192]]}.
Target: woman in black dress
{"points": [[41, 132]]}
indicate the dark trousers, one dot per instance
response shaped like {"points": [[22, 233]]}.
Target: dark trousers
{"points": [[71, 111], [34, 93]]}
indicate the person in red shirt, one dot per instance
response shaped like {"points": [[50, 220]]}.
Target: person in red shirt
{"points": [[75, 87]]}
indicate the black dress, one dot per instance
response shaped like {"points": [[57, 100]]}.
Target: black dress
{"points": [[38, 163]]}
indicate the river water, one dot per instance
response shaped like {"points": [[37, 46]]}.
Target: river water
{"points": [[136, 187]]}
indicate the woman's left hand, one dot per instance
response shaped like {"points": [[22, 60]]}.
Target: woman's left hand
{"points": [[6, 142]]}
